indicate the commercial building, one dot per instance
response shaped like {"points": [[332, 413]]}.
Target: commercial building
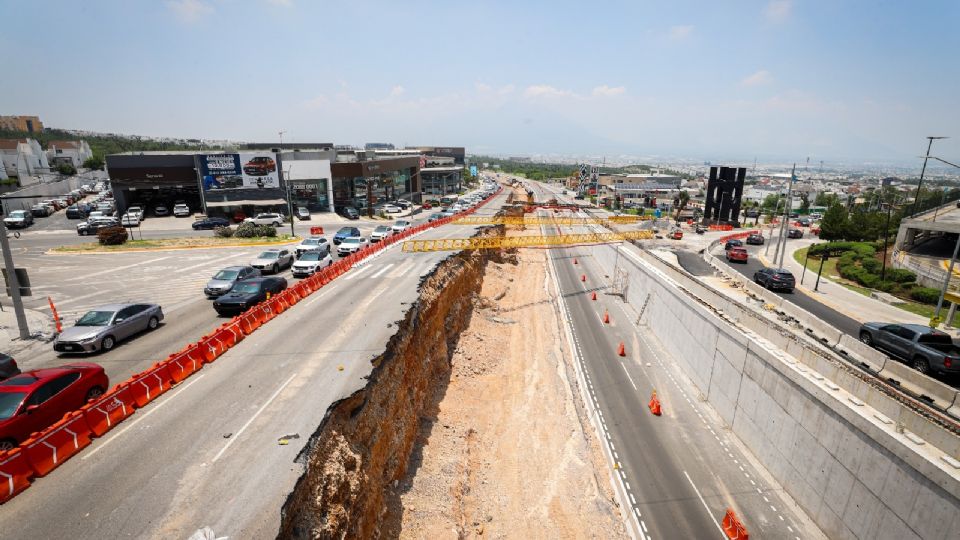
{"points": [[364, 182], [68, 152], [458, 153], [27, 124], [441, 180]]}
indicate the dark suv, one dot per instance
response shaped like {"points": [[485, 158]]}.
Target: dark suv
{"points": [[775, 278], [348, 212], [260, 166]]}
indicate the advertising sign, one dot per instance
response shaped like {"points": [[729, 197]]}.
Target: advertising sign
{"points": [[254, 170], [473, 170]]}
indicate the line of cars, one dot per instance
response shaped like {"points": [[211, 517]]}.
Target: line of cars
{"points": [[21, 219]]}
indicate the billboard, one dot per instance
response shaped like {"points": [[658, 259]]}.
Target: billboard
{"points": [[252, 170], [473, 170]]}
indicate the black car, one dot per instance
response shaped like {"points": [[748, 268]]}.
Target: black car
{"points": [[795, 233], [755, 239], [8, 367], [248, 293], [775, 278], [348, 212], [752, 213], [210, 223], [77, 212], [732, 243]]}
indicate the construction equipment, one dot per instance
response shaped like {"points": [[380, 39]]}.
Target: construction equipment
{"points": [[508, 242]]}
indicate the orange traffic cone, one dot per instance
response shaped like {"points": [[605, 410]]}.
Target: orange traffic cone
{"points": [[583, 277], [654, 404], [621, 351], [594, 295], [606, 317], [575, 261]]}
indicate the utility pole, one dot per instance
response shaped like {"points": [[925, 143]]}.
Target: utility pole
{"points": [[13, 283], [782, 239], [916, 197]]}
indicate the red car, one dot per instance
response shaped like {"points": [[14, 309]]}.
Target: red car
{"points": [[34, 400], [737, 254]]}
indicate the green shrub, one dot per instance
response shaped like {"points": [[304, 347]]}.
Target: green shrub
{"points": [[266, 230], [223, 232], [112, 236], [927, 295], [247, 230], [887, 286], [871, 265], [900, 275]]}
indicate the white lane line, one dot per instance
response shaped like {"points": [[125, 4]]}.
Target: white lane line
{"points": [[252, 418], [707, 508], [207, 262], [381, 271], [86, 277], [356, 273], [75, 298], [141, 417], [404, 267], [629, 377]]}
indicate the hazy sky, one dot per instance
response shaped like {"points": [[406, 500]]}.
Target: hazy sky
{"points": [[713, 80]]}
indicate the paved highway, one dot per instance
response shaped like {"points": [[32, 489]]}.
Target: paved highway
{"points": [[207, 452], [682, 470]]}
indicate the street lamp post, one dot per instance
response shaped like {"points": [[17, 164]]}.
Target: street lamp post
{"points": [[946, 279], [916, 197], [766, 250]]}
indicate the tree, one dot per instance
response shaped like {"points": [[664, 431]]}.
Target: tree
{"points": [[94, 162], [771, 201], [826, 199], [66, 169], [804, 202], [834, 225], [682, 201]]}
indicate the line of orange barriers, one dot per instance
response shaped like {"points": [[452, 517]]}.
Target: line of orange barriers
{"points": [[46, 450]]}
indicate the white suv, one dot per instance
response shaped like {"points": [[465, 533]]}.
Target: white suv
{"points": [[181, 210], [265, 219]]}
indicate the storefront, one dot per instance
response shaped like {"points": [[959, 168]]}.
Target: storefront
{"points": [[150, 180], [441, 180], [310, 184], [373, 182]]}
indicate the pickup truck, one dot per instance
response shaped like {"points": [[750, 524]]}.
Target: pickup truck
{"points": [[926, 349]]}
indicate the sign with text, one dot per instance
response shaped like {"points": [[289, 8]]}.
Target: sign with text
{"points": [[239, 171]]}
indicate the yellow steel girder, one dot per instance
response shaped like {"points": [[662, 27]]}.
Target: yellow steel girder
{"points": [[542, 220], [507, 242]]}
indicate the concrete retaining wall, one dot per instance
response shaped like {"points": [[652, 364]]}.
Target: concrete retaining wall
{"points": [[827, 436]]}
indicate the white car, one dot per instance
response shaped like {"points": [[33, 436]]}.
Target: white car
{"points": [[273, 260], [400, 225], [316, 243], [391, 209], [351, 245], [265, 219], [181, 210], [310, 262], [134, 210], [381, 232], [130, 220]]}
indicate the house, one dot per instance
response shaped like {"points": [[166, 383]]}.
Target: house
{"points": [[23, 158], [68, 152]]}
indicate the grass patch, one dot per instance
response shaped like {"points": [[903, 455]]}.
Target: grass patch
{"points": [[926, 311], [174, 243], [829, 266]]}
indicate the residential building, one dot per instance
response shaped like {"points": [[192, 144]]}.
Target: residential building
{"points": [[23, 158], [27, 124], [68, 152]]}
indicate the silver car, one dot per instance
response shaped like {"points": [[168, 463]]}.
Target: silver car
{"points": [[101, 328], [273, 260], [224, 280]]}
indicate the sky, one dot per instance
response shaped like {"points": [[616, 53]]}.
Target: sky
{"points": [[781, 79]]}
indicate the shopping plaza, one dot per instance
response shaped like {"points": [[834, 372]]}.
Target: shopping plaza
{"points": [[262, 177]]}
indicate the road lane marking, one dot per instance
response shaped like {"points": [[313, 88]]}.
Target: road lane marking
{"points": [[719, 528], [629, 377], [356, 273], [252, 418], [208, 261], [141, 417], [381, 271], [116, 269]]}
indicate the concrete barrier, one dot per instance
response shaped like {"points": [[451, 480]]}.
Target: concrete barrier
{"points": [[942, 395], [862, 352]]}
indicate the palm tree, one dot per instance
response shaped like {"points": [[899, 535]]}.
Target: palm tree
{"points": [[684, 198]]}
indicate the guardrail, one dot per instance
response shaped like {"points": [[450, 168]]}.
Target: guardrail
{"points": [[48, 449]]}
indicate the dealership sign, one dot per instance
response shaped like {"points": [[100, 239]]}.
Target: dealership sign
{"points": [[255, 170]]}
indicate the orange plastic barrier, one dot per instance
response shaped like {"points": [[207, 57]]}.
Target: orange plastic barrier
{"points": [[56, 444], [15, 474], [182, 365], [733, 528], [211, 346], [150, 384], [249, 322], [108, 411], [316, 231]]}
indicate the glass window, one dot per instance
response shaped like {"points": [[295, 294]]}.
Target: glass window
{"points": [[9, 403], [226, 275], [906, 333], [96, 318]]}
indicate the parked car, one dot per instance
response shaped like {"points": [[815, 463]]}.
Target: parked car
{"points": [[344, 233], [403, 203], [400, 225], [76, 212], [310, 262], [101, 328], [737, 254], [755, 240], [161, 210], [316, 243], [732, 243], [248, 293], [348, 212], [926, 349], [40, 210], [18, 219], [181, 210], [391, 209], [274, 260], [752, 213], [804, 222], [266, 219], [435, 216], [210, 223], [795, 233], [94, 224], [35, 400], [260, 166], [303, 214], [775, 278], [8, 366], [130, 220], [224, 280], [381, 232], [352, 245]]}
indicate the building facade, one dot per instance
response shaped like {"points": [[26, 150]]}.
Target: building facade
{"points": [[68, 152], [27, 124], [23, 158]]}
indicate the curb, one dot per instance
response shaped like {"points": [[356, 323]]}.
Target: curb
{"points": [[159, 249]]}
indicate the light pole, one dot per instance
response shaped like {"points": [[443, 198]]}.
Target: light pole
{"points": [[766, 250], [289, 198], [281, 132], [886, 233], [916, 197]]}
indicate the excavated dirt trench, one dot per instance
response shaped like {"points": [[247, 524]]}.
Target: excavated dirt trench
{"points": [[365, 441]]}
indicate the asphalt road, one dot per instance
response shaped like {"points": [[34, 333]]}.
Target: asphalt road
{"points": [[207, 452], [682, 470]]}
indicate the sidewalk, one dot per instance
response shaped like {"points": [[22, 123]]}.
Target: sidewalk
{"points": [[837, 297], [41, 328]]}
